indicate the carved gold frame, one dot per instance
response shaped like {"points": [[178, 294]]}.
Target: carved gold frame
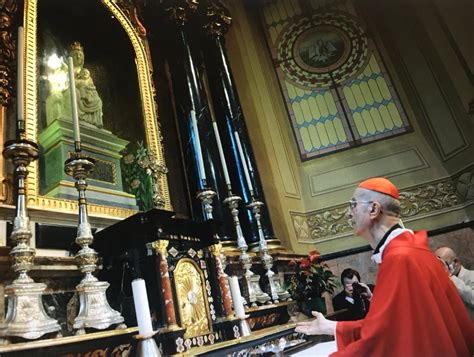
{"points": [[152, 130]]}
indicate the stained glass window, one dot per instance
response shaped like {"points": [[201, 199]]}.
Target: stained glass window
{"points": [[337, 90]]}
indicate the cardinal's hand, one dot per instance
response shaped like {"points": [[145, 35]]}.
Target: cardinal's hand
{"points": [[319, 326]]}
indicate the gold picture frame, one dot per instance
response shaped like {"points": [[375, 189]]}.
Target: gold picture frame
{"points": [[152, 130]]}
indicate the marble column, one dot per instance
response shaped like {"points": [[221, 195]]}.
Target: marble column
{"points": [[186, 75], [215, 250], [161, 251], [230, 119]]}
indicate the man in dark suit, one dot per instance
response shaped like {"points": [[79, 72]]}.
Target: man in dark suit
{"points": [[355, 298]]}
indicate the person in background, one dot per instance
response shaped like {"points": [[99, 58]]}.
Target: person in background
{"points": [[414, 311], [462, 278], [355, 298]]}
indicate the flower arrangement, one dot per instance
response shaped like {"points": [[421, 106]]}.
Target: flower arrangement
{"points": [[313, 277], [136, 174]]}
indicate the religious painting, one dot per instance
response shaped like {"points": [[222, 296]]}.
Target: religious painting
{"points": [[109, 66]]}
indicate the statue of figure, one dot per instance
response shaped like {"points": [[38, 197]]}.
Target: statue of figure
{"points": [[89, 103], [58, 103]]}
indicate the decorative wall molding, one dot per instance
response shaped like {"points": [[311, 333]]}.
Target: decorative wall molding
{"points": [[420, 200], [443, 108], [408, 160]]}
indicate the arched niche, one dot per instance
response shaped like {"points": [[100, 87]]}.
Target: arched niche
{"points": [[117, 59]]}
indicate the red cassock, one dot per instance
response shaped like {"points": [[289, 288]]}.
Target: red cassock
{"points": [[415, 310]]}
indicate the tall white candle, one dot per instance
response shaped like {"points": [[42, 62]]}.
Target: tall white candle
{"points": [[72, 88], [202, 173], [142, 310], [20, 80], [221, 154], [244, 162], [236, 297]]}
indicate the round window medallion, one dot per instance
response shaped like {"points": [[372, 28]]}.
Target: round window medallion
{"points": [[323, 49]]}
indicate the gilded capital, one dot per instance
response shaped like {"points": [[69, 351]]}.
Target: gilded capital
{"points": [[216, 249], [160, 246], [218, 20], [180, 11]]}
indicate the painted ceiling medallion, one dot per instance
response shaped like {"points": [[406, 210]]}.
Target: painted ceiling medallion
{"points": [[323, 49]]}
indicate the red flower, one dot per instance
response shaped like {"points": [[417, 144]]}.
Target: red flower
{"points": [[313, 256], [305, 264]]}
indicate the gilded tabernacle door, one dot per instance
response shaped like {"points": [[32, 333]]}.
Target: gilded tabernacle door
{"points": [[116, 109], [192, 298]]}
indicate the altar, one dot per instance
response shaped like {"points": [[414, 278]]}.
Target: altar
{"points": [[88, 168], [188, 292], [269, 342]]}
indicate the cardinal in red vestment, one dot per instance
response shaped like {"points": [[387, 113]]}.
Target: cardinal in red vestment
{"points": [[415, 310]]}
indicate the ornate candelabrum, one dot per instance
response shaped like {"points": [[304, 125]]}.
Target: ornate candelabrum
{"points": [[25, 316], [276, 291], [94, 309], [252, 285]]}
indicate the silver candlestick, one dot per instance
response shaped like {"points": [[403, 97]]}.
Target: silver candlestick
{"points": [[206, 195], [254, 292], [276, 291], [94, 309], [25, 316]]}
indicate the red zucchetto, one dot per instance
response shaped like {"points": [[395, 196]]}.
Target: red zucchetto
{"points": [[381, 185]]}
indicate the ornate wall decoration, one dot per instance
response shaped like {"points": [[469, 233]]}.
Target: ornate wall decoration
{"points": [[130, 8], [429, 198], [8, 9], [330, 223]]}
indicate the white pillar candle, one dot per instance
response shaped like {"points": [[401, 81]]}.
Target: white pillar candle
{"points": [[244, 162], [221, 154], [202, 172], [142, 310], [236, 297], [19, 79], [72, 88]]}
